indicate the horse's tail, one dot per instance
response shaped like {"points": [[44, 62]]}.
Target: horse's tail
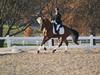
{"points": [[75, 35]]}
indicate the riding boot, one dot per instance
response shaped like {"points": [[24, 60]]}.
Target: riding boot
{"points": [[57, 31]]}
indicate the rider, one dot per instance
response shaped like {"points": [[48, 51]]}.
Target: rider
{"points": [[57, 22]]}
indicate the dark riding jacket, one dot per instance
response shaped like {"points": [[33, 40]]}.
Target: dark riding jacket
{"points": [[57, 22], [57, 18]]}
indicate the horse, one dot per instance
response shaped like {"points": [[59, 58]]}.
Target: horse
{"points": [[47, 28]]}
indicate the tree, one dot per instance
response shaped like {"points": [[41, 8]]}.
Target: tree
{"points": [[83, 15], [11, 11]]}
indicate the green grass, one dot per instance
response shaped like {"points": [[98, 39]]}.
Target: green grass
{"points": [[36, 32], [25, 45]]}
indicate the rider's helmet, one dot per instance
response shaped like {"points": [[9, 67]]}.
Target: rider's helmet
{"points": [[57, 8]]}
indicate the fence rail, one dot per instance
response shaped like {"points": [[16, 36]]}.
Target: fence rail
{"points": [[30, 42]]}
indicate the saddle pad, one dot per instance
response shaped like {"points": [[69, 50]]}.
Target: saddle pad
{"points": [[61, 30]]}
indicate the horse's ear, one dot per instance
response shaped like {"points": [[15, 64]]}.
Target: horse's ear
{"points": [[40, 13]]}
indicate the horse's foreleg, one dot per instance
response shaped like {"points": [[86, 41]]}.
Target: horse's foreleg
{"points": [[45, 39]]}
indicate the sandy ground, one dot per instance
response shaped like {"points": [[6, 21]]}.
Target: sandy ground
{"points": [[73, 62]]}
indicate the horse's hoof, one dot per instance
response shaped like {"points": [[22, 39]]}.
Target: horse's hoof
{"points": [[45, 48], [38, 51], [54, 51]]}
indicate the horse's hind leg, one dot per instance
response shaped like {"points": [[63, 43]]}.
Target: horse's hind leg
{"points": [[58, 46], [66, 42], [75, 39]]}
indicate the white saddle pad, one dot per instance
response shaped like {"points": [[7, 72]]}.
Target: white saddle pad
{"points": [[61, 30]]}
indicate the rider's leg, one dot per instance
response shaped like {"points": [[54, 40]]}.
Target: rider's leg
{"points": [[58, 26], [55, 27]]}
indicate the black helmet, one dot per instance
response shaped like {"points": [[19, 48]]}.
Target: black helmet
{"points": [[56, 8]]}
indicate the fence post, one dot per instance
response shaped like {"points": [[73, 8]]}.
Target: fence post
{"points": [[8, 41], [23, 42], [37, 42], [91, 40]]}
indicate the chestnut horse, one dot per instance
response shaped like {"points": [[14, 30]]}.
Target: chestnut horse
{"points": [[47, 28]]}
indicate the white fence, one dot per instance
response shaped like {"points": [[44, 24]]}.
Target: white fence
{"points": [[31, 42]]}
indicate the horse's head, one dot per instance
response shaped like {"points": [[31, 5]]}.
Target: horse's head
{"points": [[40, 21], [44, 22]]}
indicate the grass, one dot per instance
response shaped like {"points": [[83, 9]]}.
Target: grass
{"points": [[36, 31], [25, 45]]}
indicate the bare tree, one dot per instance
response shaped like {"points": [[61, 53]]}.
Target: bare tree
{"points": [[11, 11]]}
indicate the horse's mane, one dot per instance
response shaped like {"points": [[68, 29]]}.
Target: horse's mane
{"points": [[46, 21]]}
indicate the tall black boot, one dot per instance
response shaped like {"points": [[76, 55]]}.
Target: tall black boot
{"points": [[57, 31]]}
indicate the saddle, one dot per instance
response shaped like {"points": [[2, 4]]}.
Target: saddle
{"points": [[58, 29]]}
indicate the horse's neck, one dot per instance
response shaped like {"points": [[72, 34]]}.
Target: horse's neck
{"points": [[47, 24]]}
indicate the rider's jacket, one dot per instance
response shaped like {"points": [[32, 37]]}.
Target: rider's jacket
{"points": [[57, 19]]}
